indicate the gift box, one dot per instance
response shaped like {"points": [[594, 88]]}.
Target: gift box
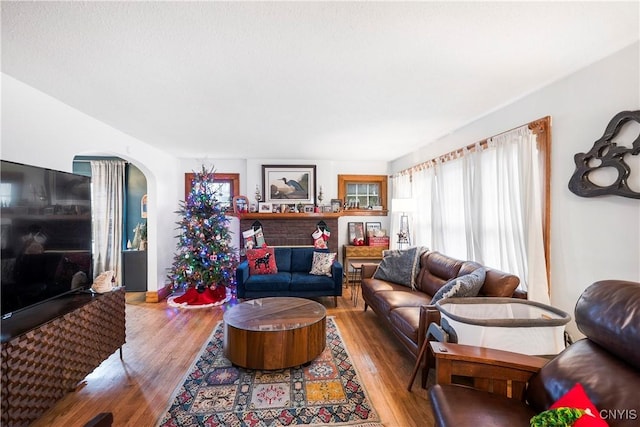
{"points": [[378, 241]]}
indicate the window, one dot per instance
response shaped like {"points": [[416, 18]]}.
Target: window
{"points": [[5, 194], [489, 202], [229, 186], [363, 194]]}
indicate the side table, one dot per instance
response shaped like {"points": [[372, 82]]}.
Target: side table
{"points": [[361, 252], [355, 273]]}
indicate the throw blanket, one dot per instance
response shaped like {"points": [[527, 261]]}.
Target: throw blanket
{"points": [[400, 266]]}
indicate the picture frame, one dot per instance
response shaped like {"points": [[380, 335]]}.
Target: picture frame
{"points": [[143, 206], [264, 207], [336, 205], [309, 208], [240, 204], [372, 227], [356, 231], [289, 183]]}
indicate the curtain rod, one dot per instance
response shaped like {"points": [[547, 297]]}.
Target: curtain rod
{"points": [[536, 126], [89, 160]]}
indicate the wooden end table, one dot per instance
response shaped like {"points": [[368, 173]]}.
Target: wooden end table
{"points": [[274, 333]]}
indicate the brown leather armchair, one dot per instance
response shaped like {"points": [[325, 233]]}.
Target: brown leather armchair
{"points": [[506, 393]]}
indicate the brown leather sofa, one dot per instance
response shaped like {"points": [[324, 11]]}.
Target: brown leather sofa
{"points": [[409, 312], [606, 363]]}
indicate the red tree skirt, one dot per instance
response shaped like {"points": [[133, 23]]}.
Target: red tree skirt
{"points": [[194, 299]]}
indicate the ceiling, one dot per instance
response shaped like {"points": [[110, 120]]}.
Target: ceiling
{"points": [[302, 80]]}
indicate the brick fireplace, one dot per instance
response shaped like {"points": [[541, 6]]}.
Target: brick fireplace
{"points": [[292, 229]]}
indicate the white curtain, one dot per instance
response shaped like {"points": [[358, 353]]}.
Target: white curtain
{"points": [[513, 208], [486, 206], [448, 214], [421, 189], [472, 199], [531, 205], [107, 183]]}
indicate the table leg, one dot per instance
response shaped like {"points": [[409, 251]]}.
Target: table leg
{"points": [[436, 332], [357, 280], [416, 367]]}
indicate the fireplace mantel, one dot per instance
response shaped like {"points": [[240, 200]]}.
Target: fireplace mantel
{"points": [[285, 216], [319, 215]]}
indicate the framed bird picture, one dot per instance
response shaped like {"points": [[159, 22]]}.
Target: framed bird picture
{"points": [[283, 183]]}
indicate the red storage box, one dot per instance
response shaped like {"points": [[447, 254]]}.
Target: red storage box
{"points": [[379, 241]]}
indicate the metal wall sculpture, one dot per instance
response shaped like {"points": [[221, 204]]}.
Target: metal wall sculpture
{"points": [[607, 154]]}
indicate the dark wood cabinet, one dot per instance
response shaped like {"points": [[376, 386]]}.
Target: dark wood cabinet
{"points": [[134, 271], [49, 355]]}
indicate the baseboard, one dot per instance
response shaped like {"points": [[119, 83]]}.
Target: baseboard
{"points": [[159, 295]]}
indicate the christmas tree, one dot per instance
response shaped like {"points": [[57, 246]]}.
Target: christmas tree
{"points": [[205, 262]]}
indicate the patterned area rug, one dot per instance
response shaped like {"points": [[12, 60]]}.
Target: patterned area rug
{"points": [[327, 392]]}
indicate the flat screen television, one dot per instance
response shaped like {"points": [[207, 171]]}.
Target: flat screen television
{"points": [[45, 220]]}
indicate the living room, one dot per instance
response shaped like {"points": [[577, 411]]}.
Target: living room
{"points": [[591, 238]]}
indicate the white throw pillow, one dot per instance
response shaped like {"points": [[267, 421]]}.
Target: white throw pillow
{"points": [[321, 265]]}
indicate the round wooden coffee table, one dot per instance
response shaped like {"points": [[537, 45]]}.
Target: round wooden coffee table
{"points": [[274, 333]]}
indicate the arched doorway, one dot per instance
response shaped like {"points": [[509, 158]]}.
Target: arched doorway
{"points": [[132, 261]]}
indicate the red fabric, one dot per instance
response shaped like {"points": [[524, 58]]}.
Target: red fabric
{"points": [[262, 261], [193, 297], [577, 398]]}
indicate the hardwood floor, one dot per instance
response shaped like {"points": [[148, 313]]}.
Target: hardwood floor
{"points": [[162, 342]]}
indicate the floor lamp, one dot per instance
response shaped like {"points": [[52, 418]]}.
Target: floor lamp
{"points": [[403, 206]]}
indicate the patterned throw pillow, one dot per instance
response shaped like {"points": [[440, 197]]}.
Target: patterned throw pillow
{"points": [[321, 265], [574, 409], [464, 286], [262, 261]]}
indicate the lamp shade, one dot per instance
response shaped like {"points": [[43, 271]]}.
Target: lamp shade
{"points": [[402, 205]]}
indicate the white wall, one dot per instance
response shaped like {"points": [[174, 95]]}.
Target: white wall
{"points": [[591, 239], [42, 131], [327, 172]]}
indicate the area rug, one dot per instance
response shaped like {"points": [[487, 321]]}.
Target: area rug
{"points": [[327, 392]]}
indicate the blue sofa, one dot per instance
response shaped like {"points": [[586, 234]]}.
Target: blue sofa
{"points": [[293, 278]]}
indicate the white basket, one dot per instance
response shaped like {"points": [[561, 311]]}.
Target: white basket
{"points": [[508, 324]]}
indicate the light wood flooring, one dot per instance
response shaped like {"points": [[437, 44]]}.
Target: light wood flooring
{"points": [[162, 342]]}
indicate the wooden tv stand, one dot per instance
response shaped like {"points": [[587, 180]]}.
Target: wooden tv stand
{"points": [[41, 365]]}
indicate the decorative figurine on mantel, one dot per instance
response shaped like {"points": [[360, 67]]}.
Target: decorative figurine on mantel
{"points": [[258, 195]]}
